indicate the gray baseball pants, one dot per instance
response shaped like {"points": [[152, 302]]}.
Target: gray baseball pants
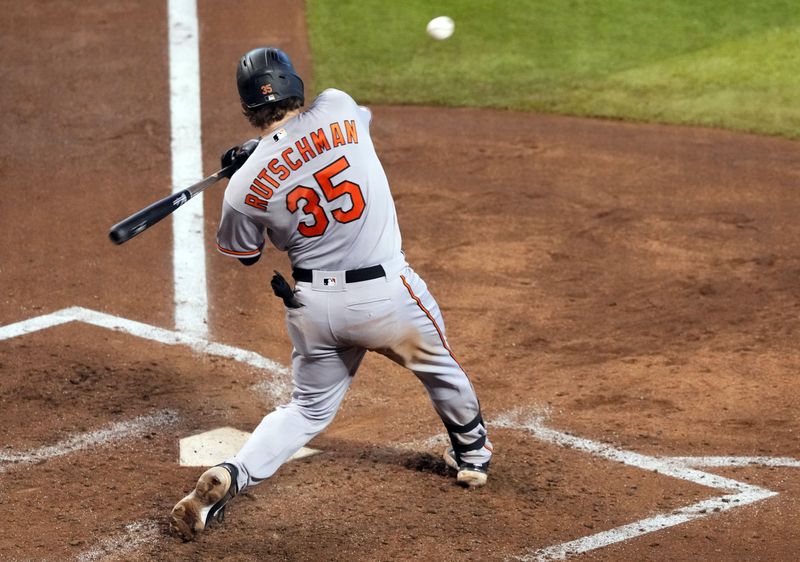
{"points": [[338, 323]]}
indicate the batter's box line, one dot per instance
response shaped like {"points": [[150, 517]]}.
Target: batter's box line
{"points": [[675, 467], [277, 388], [114, 433]]}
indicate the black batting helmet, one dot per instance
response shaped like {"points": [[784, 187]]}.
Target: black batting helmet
{"points": [[266, 75]]}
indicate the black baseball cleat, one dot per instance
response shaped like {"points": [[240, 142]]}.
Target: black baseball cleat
{"points": [[214, 489], [469, 475]]}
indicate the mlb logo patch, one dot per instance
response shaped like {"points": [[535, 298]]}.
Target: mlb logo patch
{"points": [[329, 281], [279, 135]]}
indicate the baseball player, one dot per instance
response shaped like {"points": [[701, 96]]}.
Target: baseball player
{"points": [[314, 186]]}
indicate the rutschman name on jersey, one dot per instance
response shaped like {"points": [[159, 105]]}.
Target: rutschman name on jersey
{"points": [[316, 188]]}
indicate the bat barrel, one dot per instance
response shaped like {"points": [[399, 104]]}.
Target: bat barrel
{"points": [[147, 217]]}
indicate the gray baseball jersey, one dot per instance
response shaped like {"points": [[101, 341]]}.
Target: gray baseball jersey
{"points": [[299, 189]]}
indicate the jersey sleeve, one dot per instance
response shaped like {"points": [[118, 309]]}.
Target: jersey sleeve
{"points": [[341, 101], [365, 114], [239, 236]]}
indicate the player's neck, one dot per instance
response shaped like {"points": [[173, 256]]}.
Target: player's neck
{"points": [[278, 124]]}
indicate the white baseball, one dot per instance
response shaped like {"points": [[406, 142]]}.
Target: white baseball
{"points": [[441, 28]]}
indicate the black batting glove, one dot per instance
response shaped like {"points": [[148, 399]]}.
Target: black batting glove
{"points": [[233, 158], [282, 289]]}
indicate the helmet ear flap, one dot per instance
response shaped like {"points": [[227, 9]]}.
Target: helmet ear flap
{"points": [[266, 75]]}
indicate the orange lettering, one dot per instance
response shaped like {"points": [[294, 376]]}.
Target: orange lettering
{"points": [[311, 208], [336, 132], [352, 134], [305, 150], [278, 169], [264, 176], [254, 201], [292, 164], [261, 189], [320, 141]]}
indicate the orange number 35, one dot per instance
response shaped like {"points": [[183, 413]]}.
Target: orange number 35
{"points": [[331, 192]]}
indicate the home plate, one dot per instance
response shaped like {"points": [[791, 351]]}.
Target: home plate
{"points": [[213, 447]]}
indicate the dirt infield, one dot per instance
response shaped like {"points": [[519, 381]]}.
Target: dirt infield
{"points": [[622, 295]]}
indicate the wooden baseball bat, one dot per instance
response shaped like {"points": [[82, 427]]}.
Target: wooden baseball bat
{"points": [[150, 215]]}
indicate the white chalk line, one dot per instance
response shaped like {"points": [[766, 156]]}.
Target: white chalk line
{"points": [[131, 538], [439, 440], [723, 462], [113, 433], [189, 272], [638, 460], [676, 467], [276, 387], [37, 323], [189, 253], [699, 510]]}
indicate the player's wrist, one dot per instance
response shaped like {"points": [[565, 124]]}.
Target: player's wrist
{"points": [[235, 157]]}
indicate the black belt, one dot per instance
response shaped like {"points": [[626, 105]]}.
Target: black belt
{"points": [[352, 276]]}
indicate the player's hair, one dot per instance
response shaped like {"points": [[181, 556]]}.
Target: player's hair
{"points": [[265, 115]]}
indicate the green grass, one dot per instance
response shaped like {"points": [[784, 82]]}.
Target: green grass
{"points": [[733, 64]]}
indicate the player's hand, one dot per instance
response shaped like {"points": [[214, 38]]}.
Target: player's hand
{"points": [[236, 156], [282, 289]]}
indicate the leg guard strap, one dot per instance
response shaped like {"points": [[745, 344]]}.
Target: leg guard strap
{"points": [[466, 428], [461, 449]]}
